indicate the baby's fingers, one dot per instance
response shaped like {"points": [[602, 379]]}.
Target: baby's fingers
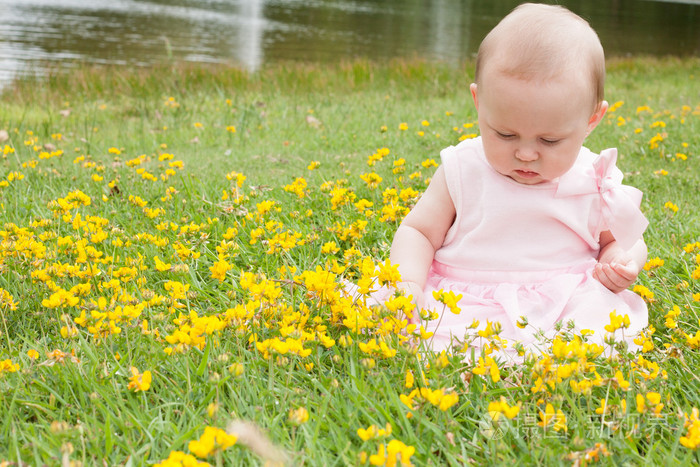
{"points": [[610, 278], [627, 271]]}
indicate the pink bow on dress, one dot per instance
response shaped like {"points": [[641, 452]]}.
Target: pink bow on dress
{"points": [[620, 207]]}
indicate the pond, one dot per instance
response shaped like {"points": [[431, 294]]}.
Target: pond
{"points": [[36, 34]]}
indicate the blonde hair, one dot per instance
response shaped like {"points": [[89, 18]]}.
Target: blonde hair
{"points": [[544, 42]]}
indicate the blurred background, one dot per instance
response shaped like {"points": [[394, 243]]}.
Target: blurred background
{"points": [[37, 35]]}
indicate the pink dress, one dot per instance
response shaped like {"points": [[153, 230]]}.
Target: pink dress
{"points": [[529, 250]]}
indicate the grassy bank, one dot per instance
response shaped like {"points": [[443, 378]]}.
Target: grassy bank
{"points": [[173, 242]]}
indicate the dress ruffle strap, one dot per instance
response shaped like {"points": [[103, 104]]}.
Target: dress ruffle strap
{"points": [[620, 209]]}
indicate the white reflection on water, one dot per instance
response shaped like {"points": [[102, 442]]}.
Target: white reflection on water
{"points": [[444, 22], [249, 36]]}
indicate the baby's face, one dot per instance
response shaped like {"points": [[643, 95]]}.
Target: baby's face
{"points": [[533, 131]]}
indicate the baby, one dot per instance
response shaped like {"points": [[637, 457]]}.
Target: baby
{"points": [[523, 221]]}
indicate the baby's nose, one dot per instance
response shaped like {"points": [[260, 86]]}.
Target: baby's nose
{"points": [[526, 154]]}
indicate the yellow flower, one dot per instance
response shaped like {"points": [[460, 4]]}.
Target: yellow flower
{"points": [[502, 407], [491, 329], [160, 265], [298, 416], [403, 126], [68, 331], [409, 379], [340, 196], [180, 459], [391, 454], [551, 417], [653, 263], [425, 335], [488, 364], [654, 398], [449, 299], [645, 341], [641, 405], [671, 317], [615, 106], [139, 381], [401, 304], [239, 177], [366, 434], [6, 299], [330, 247], [656, 139], [298, 187], [691, 440], [617, 322], [603, 408], [620, 379], [671, 207], [236, 369], [388, 273], [448, 400], [219, 269], [8, 366], [363, 206], [212, 440], [373, 431], [645, 293], [372, 180]]}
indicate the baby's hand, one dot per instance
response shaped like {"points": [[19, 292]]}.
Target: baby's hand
{"points": [[618, 268], [616, 276]]}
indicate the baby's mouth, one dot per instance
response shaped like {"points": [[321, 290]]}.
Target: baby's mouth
{"points": [[526, 173]]}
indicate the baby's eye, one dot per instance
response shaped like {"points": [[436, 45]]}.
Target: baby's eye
{"points": [[504, 135], [550, 141]]}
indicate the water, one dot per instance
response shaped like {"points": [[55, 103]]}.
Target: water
{"points": [[39, 34]]}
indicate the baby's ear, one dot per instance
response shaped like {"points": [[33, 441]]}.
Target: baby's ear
{"points": [[472, 88], [597, 116]]}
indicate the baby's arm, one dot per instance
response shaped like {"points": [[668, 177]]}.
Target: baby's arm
{"points": [[420, 234], [617, 268]]}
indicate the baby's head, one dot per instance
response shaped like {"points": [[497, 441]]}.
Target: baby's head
{"points": [[541, 43], [538, 91]]}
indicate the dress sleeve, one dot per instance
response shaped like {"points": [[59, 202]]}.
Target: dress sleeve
{"points": [[620, 203]]}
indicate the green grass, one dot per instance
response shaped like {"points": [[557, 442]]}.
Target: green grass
{"points": [[60, 408]]}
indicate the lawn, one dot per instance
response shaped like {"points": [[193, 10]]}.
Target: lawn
{"points": [[173, 243]]}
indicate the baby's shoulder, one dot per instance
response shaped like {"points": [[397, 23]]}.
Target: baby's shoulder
{"points": [[468, 151]]}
